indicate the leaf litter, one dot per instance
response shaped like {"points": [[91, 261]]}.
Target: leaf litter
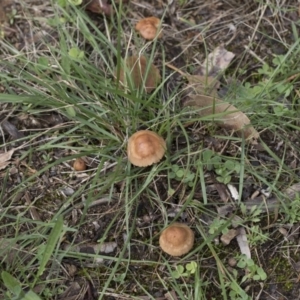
{"points": [[204, 95], [5, 158]]}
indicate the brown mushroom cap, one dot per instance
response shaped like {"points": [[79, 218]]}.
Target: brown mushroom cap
{"points": [[148, 28], [145, 148], [79, 164], [138, 69], [177, 239]]}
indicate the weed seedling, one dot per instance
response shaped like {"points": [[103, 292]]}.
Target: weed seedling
{"points": [[188, 270]]}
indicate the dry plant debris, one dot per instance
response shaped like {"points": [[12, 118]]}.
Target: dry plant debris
{"points": [[216, 62], [145, 148], [242, 241], [177, 239], [225, 114], [204, 95], [5, 157], [227, 237], [136, 71], [148, 28]]}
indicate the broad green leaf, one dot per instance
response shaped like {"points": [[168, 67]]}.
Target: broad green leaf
{"points": [[62, 3], [31, 296], [262, 273], [207, 155], [180, 173], [180, 269], [76, 53], [11, 283], [75, 2]]}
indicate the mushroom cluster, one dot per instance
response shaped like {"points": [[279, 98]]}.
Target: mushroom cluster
{"points": [[145, 148], [177, 239]]}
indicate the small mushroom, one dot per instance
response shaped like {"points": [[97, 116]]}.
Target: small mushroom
{"points": [[177, 239], [79, 164], [148, 27], [145, 148], [137, 67], [98, 7]]}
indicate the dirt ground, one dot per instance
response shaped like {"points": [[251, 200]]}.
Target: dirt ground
{"points": [[231, 23]]}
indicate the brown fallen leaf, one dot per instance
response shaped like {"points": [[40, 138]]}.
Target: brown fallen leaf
{"points": [[148, 28], [5, 157], [98, 7], [204, 81], [138, 75], [12, 130], [216, 61], [200, 84], [227, 237], [204, 95], [225, 114], [293, 190]]}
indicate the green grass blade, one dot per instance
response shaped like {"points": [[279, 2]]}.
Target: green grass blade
{"points": [[52, 241]]}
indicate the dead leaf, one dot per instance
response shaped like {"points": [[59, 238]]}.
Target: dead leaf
{"points": [[225, 114], [137, 67], [11, 252], [243, 242], [98, 7], [171, 295], [204, 85], [229, 236], [5, 9], [283, 231], [293, 190], [5, 157], [216, 61], [222, 191], [205, 95], [148, 28], [75, 291], [12, 130]]}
